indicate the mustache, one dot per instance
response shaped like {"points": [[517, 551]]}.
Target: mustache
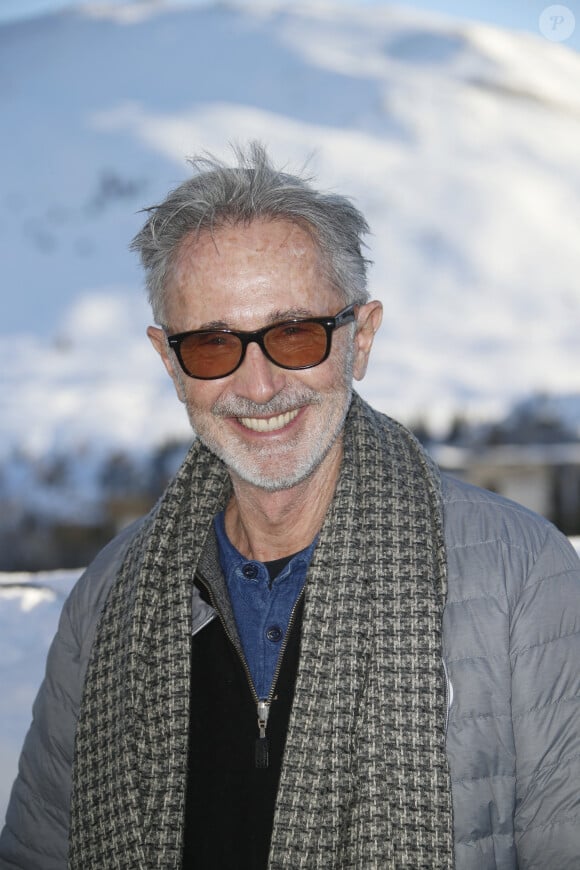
{"points": [[287, 400]]}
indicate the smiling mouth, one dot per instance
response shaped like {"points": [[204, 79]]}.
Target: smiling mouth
{"points": [[268, 424]]}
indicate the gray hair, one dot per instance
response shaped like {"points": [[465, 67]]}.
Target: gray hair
{"points": [[218, 195]]}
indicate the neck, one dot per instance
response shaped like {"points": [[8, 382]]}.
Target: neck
{"points": [[269, 525]]}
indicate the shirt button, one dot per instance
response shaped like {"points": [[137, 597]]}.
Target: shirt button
{"points": [[274, 634], [250, 571]]}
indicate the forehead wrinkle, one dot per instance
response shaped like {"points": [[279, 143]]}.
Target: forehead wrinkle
{"points": [[189, 265], [298, 239]]}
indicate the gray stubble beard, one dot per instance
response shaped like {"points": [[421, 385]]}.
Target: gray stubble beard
{"points": [[296, 396]]}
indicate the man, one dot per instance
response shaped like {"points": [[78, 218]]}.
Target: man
{"points": [[315, 651]]}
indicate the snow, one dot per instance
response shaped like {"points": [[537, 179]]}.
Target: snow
{"points": [[458, 141]]}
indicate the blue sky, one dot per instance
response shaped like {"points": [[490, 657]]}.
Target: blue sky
{"points": [[516, 14]]}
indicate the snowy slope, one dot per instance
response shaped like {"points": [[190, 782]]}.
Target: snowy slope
{"points": [[460, 142]]}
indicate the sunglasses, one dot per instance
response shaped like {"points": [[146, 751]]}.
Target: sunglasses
{"points": [[208, 354]]}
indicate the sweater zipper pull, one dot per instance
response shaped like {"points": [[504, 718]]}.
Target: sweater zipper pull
{"points": [[261, 753]]}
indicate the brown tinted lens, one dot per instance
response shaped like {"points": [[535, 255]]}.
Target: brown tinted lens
{"points": [[297, 344], [210, 354]]}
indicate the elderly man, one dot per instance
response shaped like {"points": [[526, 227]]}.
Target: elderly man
{"points": [[315, 651]]}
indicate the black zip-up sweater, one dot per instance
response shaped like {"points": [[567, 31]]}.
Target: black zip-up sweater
{"points": [[230, 801]]}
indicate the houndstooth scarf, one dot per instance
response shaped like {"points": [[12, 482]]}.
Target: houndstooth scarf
{"points": [[364, 782]]}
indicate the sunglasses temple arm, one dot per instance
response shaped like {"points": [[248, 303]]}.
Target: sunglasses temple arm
{"points": [[347, 315]]}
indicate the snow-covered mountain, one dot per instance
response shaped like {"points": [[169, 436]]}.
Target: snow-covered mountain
{"points": [[459, 141]]}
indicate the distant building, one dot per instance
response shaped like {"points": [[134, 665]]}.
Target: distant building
{"points": [[543, 477], [532, 456]]}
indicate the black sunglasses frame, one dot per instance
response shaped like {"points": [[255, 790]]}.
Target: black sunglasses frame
{"points": [[347, 315]]}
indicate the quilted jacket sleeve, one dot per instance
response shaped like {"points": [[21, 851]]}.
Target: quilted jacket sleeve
{"points": [[545, 662], [35, 836], [36, 831], [511, 638]]}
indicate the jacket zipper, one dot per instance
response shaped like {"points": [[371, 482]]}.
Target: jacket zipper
{"points": [[262, 704]]}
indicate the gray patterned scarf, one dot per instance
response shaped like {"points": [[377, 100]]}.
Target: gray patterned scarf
{"points": [[364, 782]]}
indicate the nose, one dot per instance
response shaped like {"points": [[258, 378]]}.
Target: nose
{"points": [[257, 378]]}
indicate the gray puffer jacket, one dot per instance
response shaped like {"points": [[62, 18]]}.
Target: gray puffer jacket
{"points": [[511, 645]]}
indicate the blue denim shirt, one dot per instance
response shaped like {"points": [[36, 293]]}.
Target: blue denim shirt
{"points": [[262, 613]]}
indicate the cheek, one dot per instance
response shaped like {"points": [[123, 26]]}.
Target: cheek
{"points": [[341, 363], [179, 383], [331, 377], [201, 396]]}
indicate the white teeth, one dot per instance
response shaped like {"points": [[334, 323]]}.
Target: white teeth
{"points": [[268, 424]]}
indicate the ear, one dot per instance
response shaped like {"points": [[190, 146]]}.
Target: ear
{"points": [[369, 319], [159, 341]]}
